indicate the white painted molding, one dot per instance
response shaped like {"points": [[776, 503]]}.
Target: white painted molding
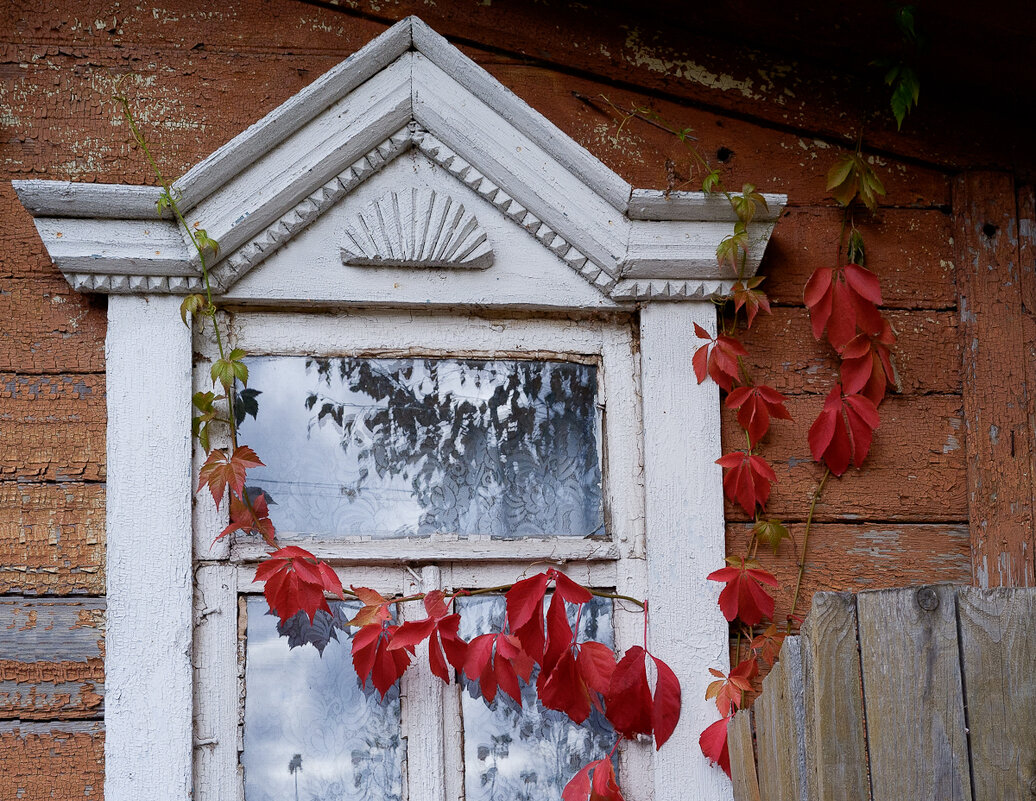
{"points": [[685, 536], [417, 228], [265, 186], [147, 662]]}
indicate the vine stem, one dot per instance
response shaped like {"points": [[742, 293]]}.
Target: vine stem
{"points": [[805, 538], [503, 588]]}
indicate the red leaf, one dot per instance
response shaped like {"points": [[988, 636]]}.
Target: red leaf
{"points": [[843, 299], [628, 703], [769, 644], [718, 358], [571, 591], [596, 665], [730, 690], [666, 703], [756, 405], [602, 787], [565, 690], [254, 518], [374, 609], [744, 596], [578, 787], [559, 633], [747, 480], [500, 669], [524, 599], [220, 472], [713, 743], [295, 580], [747, 296], [411, 634], [867, 365], [373, 659], [843, 431]]}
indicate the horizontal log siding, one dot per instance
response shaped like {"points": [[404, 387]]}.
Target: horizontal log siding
{"points": [[900, 520]]}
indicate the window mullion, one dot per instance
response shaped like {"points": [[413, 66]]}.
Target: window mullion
{"points": [[423, 697]]}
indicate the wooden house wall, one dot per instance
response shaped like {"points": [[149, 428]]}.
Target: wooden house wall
{"points": [[199, 73]]}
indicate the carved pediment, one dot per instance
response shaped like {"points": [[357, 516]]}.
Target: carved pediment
{"points": [[418, 227]]}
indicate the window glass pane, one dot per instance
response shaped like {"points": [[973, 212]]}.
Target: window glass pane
{"points": [[414, 447], [306, 719], [527, 754]]}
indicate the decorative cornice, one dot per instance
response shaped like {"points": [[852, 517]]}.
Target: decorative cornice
{"points": [[639, 290], [467, 174], [417, 228], [308, 210]]}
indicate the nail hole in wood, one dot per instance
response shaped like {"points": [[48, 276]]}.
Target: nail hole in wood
{"points": [[990, 230], [723, 154]]}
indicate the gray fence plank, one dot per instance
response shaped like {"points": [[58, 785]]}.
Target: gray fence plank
{"points": [[998, 652], [914, 705], [833, 701], [769, 728], [742, 757]]}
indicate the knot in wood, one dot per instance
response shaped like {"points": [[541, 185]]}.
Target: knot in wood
{"points": [[928, 599], [1032, 788]]}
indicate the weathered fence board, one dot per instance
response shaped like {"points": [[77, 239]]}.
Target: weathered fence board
{"points": [[924, 693], [742, 759], [998, 652], [833, 702], [911, 665]]}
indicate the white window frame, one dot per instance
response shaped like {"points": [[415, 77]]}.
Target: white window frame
{"points": [[434, 762], [603, 247]]}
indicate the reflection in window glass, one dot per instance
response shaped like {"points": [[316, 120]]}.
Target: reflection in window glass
{"points": [[414, 447], [527, 754], [307, 722]]}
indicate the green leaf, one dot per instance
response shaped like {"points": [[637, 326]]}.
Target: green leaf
{"points": [[191, 305], [710, 182], [855, 250], [840, 172], [770, 532], [203, 401]]}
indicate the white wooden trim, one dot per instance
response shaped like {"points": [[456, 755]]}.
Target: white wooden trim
{"points": [[216, 698], [685, 537], [573, 157], [518, 165], [399, 551], [656, 204], [422, 696], [269, 186], [390, 332], [149, 590]]}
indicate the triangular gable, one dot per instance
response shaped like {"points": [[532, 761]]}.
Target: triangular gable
{"points": [[407, 89]]}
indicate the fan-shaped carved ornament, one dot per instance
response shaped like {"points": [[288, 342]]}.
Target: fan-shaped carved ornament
{"points": [[417, 228]]}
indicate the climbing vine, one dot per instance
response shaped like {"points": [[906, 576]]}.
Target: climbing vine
{"points": [[843, 302], [637, 692]]}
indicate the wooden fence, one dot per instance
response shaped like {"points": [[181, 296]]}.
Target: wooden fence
{"points": [[919, 694]]}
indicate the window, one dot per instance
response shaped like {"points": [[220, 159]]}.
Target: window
{"points": [[486, 445], [536, 263]]}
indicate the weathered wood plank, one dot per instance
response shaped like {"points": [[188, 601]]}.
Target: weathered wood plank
{"points": [[49, 328], [782, 352], [916, 731], [51, 658], [52, 538], [52, 427], [47, 761], [780, 728], [861, 556], [769, 728], [742, 757], [914, 472], [833, 701], [998, 652], [999, 444], [910, 250]]}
